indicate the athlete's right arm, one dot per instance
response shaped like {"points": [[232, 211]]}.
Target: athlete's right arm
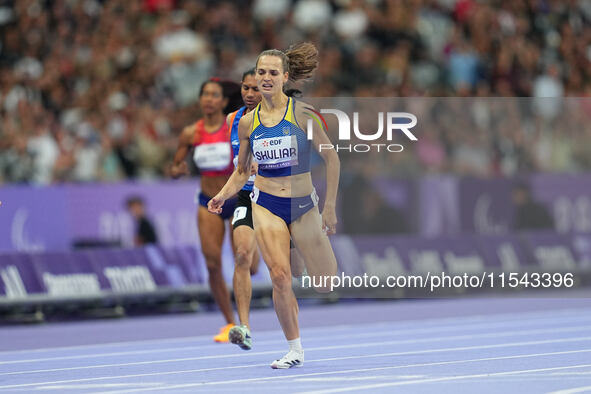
{"points": [[242, 171], [179, 165]]}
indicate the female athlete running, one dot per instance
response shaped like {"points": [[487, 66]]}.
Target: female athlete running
{"points": [[213, 157], [245, 247], [283, 196]]}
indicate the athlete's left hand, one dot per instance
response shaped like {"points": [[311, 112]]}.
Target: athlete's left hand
{"points": [[215, 204], [329, 220]]}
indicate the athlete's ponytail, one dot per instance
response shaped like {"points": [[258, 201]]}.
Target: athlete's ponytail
{"points": [[299, 60], [303, 60]]}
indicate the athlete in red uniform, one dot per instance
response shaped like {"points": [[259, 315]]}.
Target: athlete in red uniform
{"points": [[212, 155]]}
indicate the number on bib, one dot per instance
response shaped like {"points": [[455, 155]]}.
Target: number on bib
{"points": [[239, 214]]}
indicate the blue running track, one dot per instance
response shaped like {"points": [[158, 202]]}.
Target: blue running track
{"points": [[477, 345]]}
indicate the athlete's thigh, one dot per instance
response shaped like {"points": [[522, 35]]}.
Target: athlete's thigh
{"points": [[313, 244], [244, 239], [272, 236], [211, 232]]}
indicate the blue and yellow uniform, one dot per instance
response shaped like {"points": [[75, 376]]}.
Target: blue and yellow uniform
{"points": [[243, 211], [281, 150]]}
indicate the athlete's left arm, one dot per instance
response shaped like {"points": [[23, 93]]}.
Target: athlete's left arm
{"points": [[321, 143]]}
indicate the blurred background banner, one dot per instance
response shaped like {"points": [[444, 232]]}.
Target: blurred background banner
{"points": [[485, 207], [568, 198], [99, 272], [107, 272], [63, 216], [473, 254]]}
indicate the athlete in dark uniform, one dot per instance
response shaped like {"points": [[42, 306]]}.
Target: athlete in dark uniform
{"points": [[245, 247]]}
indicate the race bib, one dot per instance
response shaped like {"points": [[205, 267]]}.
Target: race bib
{"points": [[278, 152], [239, 214], [212, 157]]}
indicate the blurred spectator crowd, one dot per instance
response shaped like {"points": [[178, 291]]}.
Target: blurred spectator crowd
{"points": [[98, 90]]}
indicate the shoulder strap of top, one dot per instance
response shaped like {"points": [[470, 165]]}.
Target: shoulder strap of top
{"points": [[256, 121], [290, 113]]}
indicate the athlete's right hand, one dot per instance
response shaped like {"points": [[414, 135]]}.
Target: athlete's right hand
{"points": [[179, 169], [215, 204]]}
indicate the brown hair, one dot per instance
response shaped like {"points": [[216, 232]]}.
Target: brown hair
{"points": [[299, 60]]}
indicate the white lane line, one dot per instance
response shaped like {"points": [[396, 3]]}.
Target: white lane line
{"points": [[349, 371], [433, 380], [440, 350], [551, 314], [572, 373], [573, 390], [357, 378], [332, 337], [522, 379], [416, 352], [497, 334], [102, 386]]}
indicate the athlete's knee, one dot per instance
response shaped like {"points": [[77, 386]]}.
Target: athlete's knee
{"points": [[281, 279], [214, 267], [242, 257], [212, 256]]}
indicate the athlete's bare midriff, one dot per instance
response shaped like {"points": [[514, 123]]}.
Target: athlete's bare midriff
{"points": [[286, 186], [212, 184]]}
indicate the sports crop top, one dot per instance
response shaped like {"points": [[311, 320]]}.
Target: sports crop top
{"points": [[283, 149], [213, 152]]}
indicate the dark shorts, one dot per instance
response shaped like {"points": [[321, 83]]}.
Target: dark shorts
{"points": [[243, 210], [227, 208], [244, 204], [287, 208]]}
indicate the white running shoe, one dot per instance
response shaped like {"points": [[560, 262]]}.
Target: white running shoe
{"points": [[293, 358]]}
